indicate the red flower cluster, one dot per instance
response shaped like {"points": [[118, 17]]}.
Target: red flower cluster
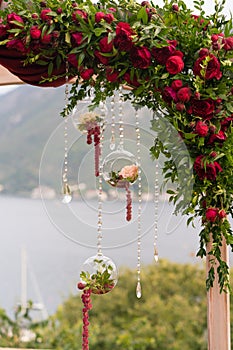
{"points": [[205, 169], [212, 214], [86, 299], [169, 57]]}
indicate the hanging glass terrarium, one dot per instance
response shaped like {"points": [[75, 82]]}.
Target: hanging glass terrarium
{"points": [[99, 275]]}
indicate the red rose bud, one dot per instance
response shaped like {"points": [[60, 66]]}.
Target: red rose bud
{"points": [[216, 46], [109, 18], [203, 52], [213, 154], [77, 38], [175, 7], [99, 16], [228, 43], [222, 214], [87, 73], [184, 94], [42, 3], [35, 32], [105, 45], [13, 17], [35, 16], [46, 39], [201, 128], [44, 14], [145, 3], [197, 95], [180, 106], [112, 75], [81, 285], [59, 10], [176, 84], [214, 38], [211, 214]]}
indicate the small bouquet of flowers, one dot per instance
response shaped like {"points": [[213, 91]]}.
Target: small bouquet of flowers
{"points": [[89, 123]]}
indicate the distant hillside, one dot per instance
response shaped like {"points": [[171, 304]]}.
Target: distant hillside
{"points": [[29, 117]]}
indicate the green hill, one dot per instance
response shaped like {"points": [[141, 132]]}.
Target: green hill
{"points": [[30, 120]]}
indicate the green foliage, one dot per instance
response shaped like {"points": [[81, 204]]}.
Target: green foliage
{"points": [[171, 315]]}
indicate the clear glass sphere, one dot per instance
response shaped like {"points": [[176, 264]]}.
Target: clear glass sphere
{"points": [[120, 168], [99, 273]]}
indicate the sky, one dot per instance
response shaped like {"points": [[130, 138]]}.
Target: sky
{"points": [[209, 8]]}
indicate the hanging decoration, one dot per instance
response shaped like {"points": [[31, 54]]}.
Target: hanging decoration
{"points": [[99, 273], [66, 191], [89, 123]]}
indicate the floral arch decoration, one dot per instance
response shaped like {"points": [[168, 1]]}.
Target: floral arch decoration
{"points": [[176, 63]]}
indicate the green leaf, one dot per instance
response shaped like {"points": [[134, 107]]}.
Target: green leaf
{"points": [[50, 69]]}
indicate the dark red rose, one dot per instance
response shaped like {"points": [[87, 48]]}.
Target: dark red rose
{"points": [[123, 39], [175, 8], [140, 57], [219, 137], [228, 43], [174, 64], [99, 16], [35, 32], [17, 44], [202, 108], [44, 14], [180, 106], [46, 39], [201, 128], [204, 52], [104, 60], [112, 75], [145, 3], [77, 38], [212, 70], [176, 84], [3, 30], [208, 170], [184, 94], [86, 74], [79, 13], [214, 38], [109, 17], [211, 214], [131, 81], [222, 214], [35, 16], [225, 123], [59, 10], [13, 17], [105, 45], [162, 54], [72, 59], [169, 94]]}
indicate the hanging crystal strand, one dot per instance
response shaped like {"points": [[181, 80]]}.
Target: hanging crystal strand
{"points": [[100, 182], [138, 141], [113, 123], [121, 126], [156, 203], [67, 196], [128, 203]]}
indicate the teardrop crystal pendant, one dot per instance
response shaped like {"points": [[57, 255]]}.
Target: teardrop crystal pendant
{"points": [[138, 290], [67, 197], [156, 255]]}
